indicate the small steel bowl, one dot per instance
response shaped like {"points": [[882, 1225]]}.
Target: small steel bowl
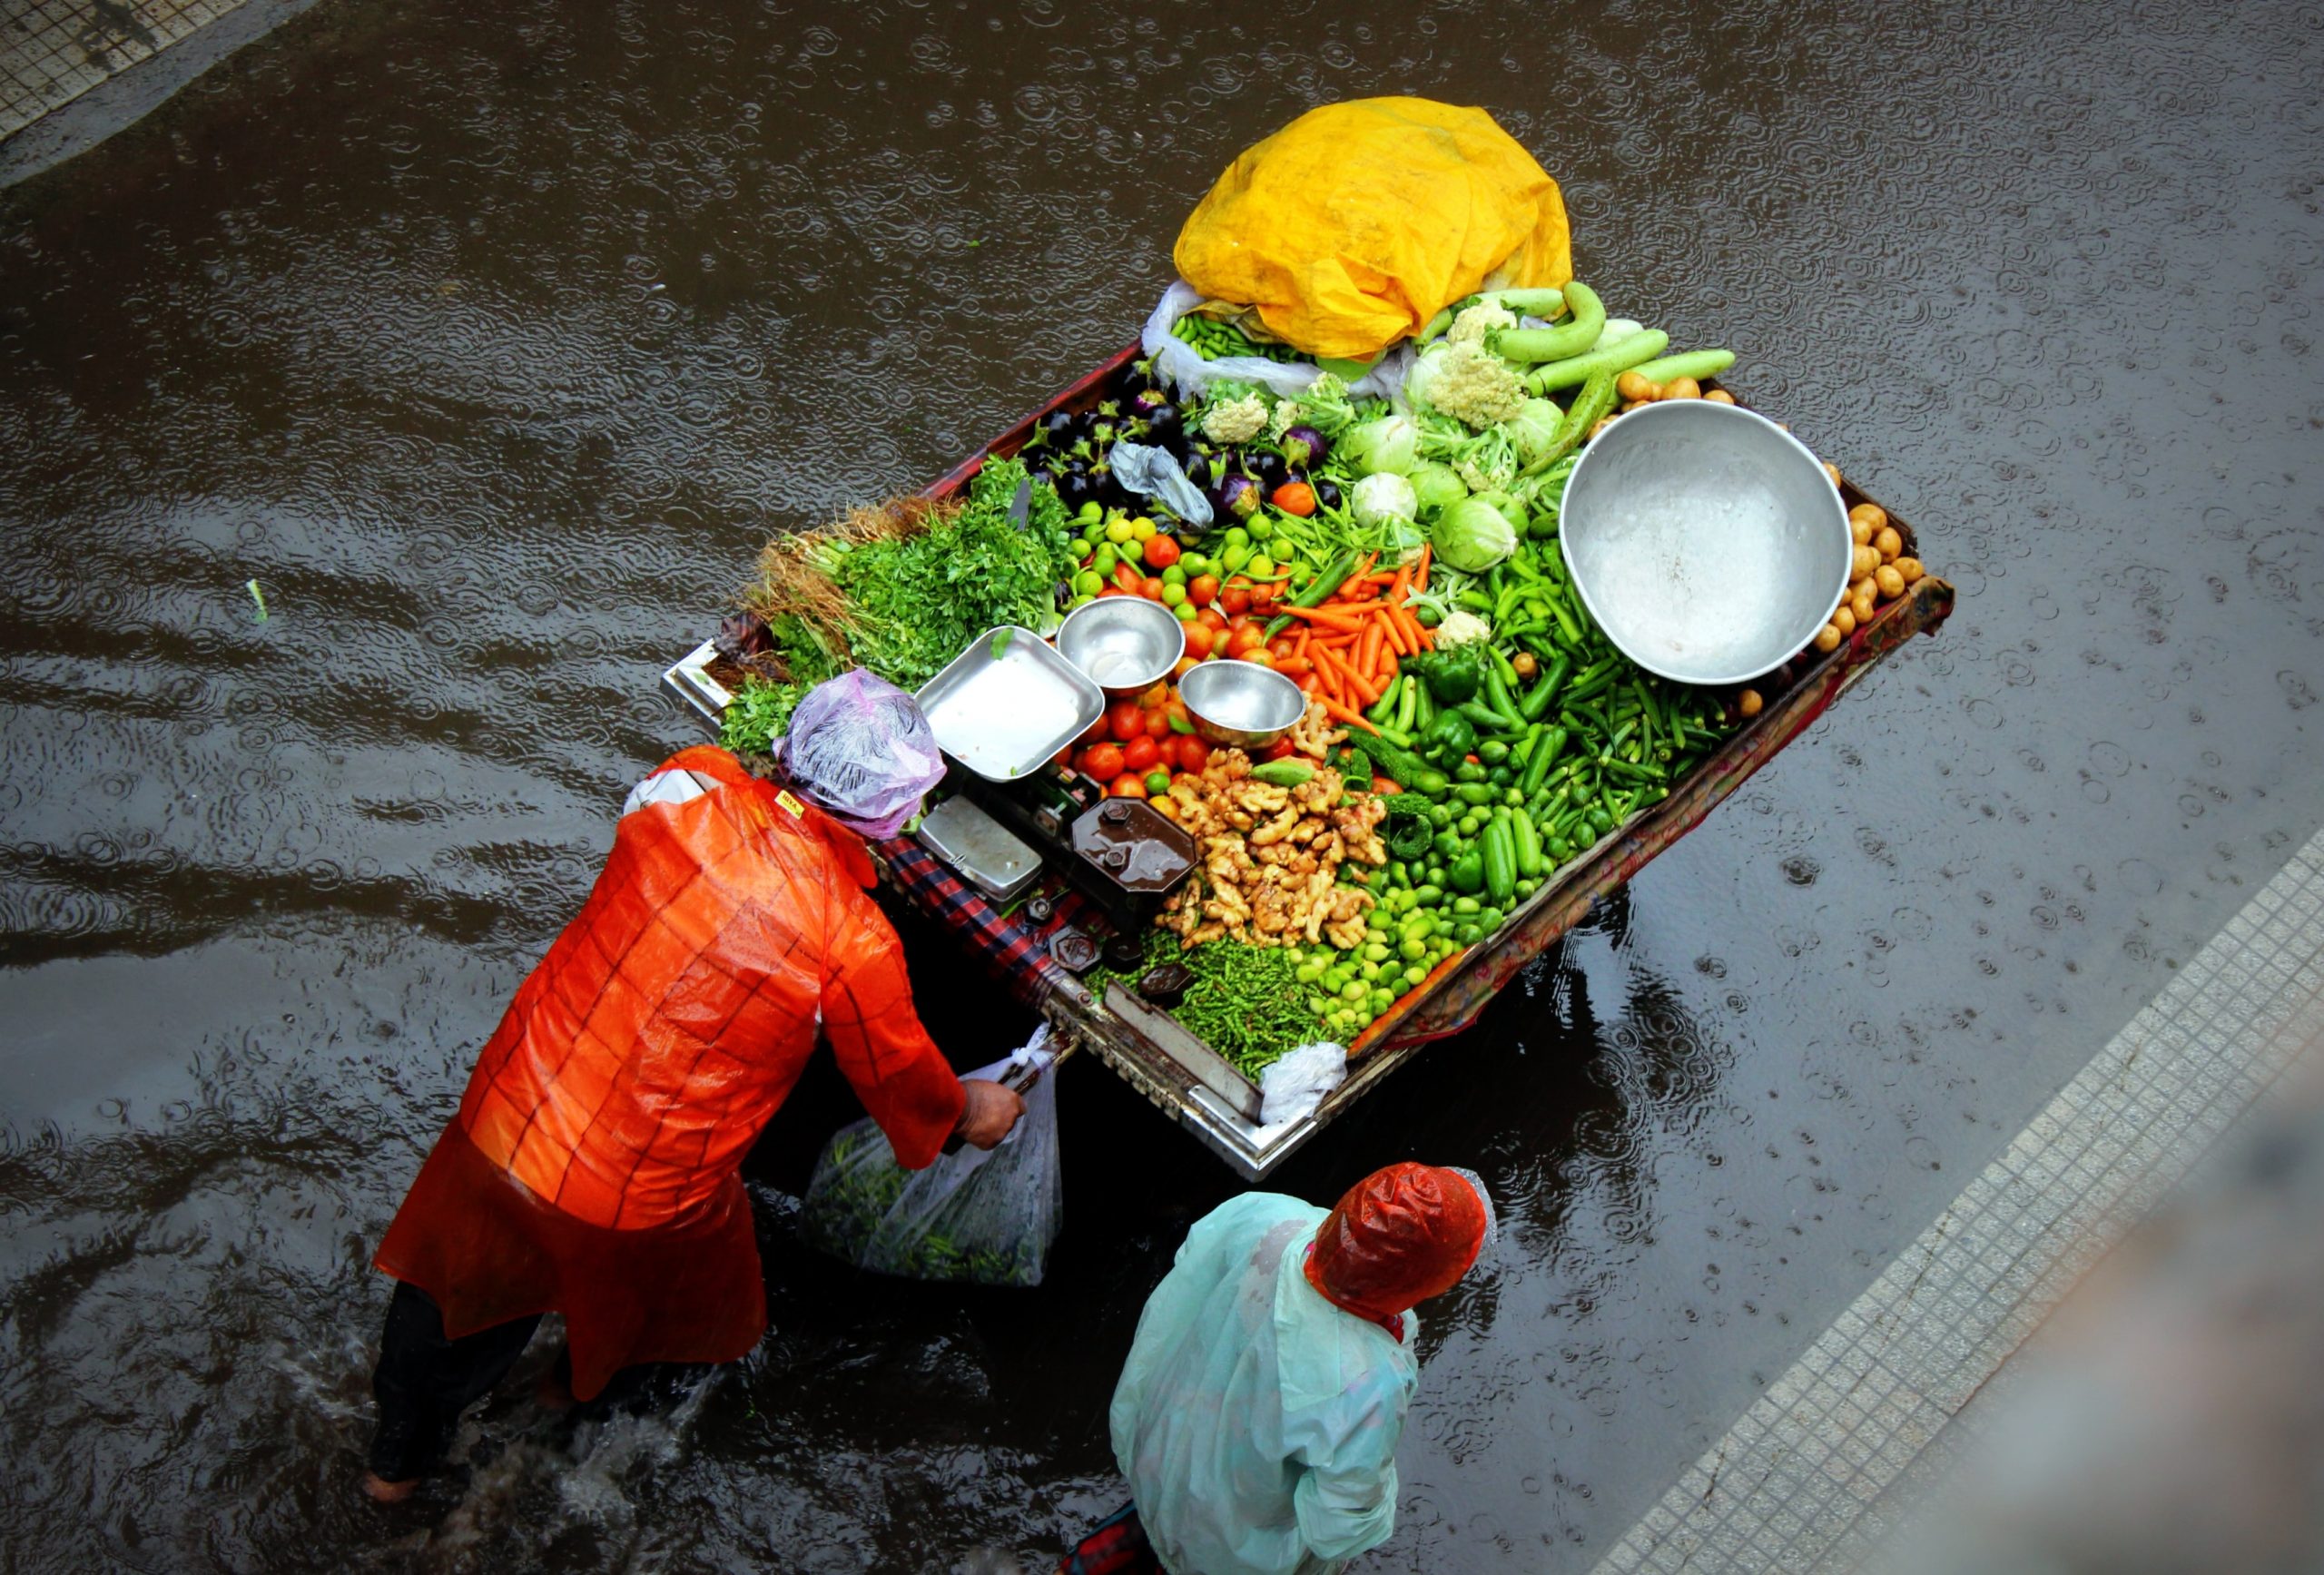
{"points": [[1240, 704], [1706, 540], [1125, 644]]}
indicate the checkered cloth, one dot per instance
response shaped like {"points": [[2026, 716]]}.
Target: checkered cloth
{"points": [[1013, 947]]}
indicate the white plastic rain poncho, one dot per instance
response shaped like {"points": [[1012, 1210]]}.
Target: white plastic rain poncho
{"points": [[1258, 1423]]}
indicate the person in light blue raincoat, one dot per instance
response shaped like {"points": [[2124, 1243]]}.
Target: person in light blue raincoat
{"points": [[1258, 1413]]}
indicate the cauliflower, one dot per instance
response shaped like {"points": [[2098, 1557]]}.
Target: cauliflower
{"points": [[1474, 322], [1461, 627], [1466, 383], [1236, 421]]}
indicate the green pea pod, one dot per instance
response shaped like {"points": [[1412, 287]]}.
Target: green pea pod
{"points": [[1566, 340]]}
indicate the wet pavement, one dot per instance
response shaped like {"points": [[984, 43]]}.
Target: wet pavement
{"points": [[491, 355]]}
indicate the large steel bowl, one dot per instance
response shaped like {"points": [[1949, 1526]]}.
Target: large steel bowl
{"points": [[1706, 540], [1240, 704], [1125, 644]]}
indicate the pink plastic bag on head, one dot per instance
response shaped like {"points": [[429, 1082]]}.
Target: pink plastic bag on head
{"points": [[861, 751]]}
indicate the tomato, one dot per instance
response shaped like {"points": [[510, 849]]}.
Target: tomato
{"points": [[1158, 723], [1139, 754], [1212, 619], [1202, 590], [1104, 761], [1161, 552], [1191, 753], [1294, 497], [1200, 636], [1125, 721], [1235, 599], [1282, 645], [1097, 732], [1164, 805], [1245, 640], [1127, 576], [1310, 682], [1187, 662], [1151, 590], [1126, 786], [1157, 783], [1262, 592], [1281, 749], [1064, 759], [1381, 784], [1256, 656]]}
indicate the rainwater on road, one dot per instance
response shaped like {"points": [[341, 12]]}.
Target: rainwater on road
{"points": [[491, 352]]}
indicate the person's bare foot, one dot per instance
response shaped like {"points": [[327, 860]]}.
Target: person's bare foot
{"points": [[382, 1491]]}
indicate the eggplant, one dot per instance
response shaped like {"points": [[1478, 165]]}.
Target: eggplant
{"points": [[1239, 495], [1328, 492], [1166, 428], [1146, 402], [1059, 427], [1267, 468], [1304, 445], [1198, 468], [1074, 489]]}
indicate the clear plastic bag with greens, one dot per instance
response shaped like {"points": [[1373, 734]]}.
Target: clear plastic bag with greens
{"points": [[987, 1218]]}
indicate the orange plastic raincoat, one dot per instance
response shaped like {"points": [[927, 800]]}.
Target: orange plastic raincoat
{"points": [[593, 1168]]}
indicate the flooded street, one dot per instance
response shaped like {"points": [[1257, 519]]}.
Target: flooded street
{"points": [[492, 353]]}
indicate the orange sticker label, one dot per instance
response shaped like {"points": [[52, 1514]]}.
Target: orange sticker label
{"points": [[798, 810]]}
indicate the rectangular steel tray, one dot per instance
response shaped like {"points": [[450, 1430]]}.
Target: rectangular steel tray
{"points": [[1001, 717]]}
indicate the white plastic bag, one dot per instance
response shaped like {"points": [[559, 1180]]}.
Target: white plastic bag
{"points": [[1296, 1082], [1180, 365], [985, 1218], [1156, 473]]}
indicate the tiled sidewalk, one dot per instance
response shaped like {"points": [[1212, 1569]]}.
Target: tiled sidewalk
{"points": [[54, 51], [1813, 1474]]}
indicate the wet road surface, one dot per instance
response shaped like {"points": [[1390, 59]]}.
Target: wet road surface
{"points": [[493, 353]]}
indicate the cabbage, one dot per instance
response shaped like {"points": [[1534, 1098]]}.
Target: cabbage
{"points": [[1472, 536], [1387, 443], [1385, 498], [1436, 486], [1534, 428]]}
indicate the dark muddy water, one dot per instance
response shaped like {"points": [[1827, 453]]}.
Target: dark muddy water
{"points": [[492, 351]]}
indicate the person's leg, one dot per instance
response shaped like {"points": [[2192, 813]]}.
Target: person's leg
{"points": [[424, 1382], [647, 1388]]}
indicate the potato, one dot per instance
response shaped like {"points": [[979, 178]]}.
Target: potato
{"points": [[1524, 664], [1891, 583], [1872, 512], [1864, 605], [1601, 426], [1909, 570], [1828, 637], [1718, 396], [1844, 619], [1634, 386], [1750, 704], [1681, 389], [1888, 543], [1833, 471], [1860, 532], [1866, 560]]}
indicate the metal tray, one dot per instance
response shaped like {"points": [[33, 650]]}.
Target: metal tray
{"points": [[1001, 717], [987, 854]]}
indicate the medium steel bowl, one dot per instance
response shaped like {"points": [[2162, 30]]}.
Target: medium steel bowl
{"points": [[1706, 540], [1240, 704], [1125, 644]]}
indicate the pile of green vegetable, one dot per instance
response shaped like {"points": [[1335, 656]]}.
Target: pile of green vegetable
{"points": [[850, 1212], [903, 591], [1246, 1002]]}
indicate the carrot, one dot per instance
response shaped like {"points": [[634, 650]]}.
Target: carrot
{"points": [[1412, 631], [1397, 638], [1397, 586], [1367, 657], [1350, 715], [1333, 618], [1420, 573], [1352, 679]]}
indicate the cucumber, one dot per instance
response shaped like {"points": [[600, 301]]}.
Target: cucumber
{"points": [[1638, 349], [1688, 364], [1555, 344]]}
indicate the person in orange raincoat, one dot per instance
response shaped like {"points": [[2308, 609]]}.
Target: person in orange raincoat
{"points": [[593, 1168]]}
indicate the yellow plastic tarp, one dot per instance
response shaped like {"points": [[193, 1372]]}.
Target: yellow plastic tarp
{"points": [[1358, 222]]}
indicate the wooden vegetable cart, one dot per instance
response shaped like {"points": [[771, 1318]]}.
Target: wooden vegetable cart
{"points": [[1184, 1076]]}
